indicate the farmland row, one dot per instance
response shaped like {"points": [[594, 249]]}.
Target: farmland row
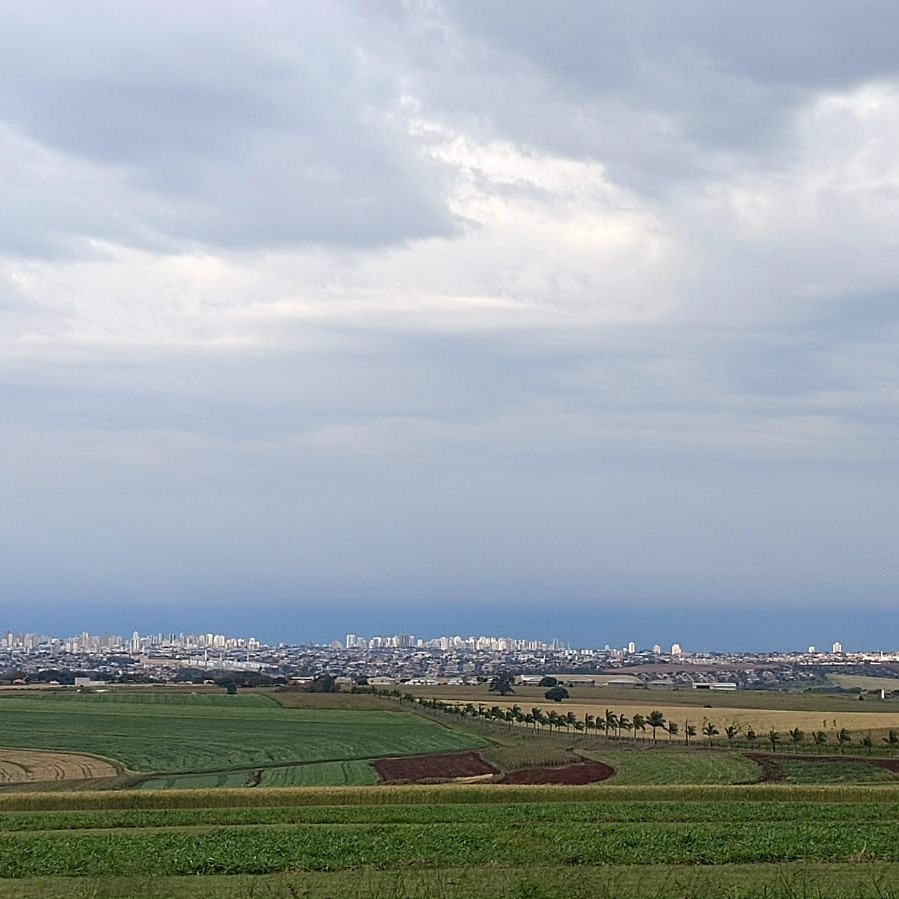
{"points": [[560, 813], [253, 850]]}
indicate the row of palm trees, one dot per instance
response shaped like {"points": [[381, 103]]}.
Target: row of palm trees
{"points": [[619, 726]]}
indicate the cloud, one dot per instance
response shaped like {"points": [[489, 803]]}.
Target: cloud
{"points": [[449, 300]]}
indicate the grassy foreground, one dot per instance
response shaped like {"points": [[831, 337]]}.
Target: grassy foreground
{"points": [[453, 841], [795, 880]]}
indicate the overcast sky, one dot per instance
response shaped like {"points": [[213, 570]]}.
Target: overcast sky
{"points": [[451, 317]]}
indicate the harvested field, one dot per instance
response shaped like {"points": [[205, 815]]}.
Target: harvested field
{"points": [[19, 766], [433, 767], [584, 773]]}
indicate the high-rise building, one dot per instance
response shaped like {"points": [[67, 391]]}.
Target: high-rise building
{"points": [[350, 641], [632, 647], [676, 650], [837, 647]]}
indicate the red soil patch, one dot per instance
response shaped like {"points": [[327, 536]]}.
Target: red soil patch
{"points": [[773, 773], [433, 767], [584, 773]]}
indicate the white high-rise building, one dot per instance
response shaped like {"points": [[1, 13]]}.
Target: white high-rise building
{"points": [[350, 641], [836, 648], [676, 649], [632, 647]]}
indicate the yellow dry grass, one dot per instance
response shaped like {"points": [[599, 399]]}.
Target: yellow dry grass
{"points": [[762, 720], [18, 766]]}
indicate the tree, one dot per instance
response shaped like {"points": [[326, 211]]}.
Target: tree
{"points": [[797, 737], [639, 724], [673, 728], [773, 738], [689, 731], [655, 720], [502, 683], [844, 738], [325, 683], [538, 717], [548, 681], [867, 742], [624, 724], [751, 735], [892, 740], [731, 731], [231, 688], [611, 720], [556, 694], [709, 730], [820, 738]]}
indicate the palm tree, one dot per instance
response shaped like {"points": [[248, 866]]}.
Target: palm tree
{"points": [[751, 735], [554, 720], [892, 740], [731, 731], [867, 742], [672, 730], [797, 737], [820, 738], [844, 738], [639, 724], [569, 719], [611, 720], [589, 721], [773, 738], [689, 731], [538, 717], [624, 724], [709, 730], [655, 720]]}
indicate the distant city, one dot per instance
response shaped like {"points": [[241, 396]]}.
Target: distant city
{"points": [[29, 658]]}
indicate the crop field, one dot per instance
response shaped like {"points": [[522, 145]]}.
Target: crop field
{"points": [[773, 841], [221, 736], [18, 766], [662, 766]]}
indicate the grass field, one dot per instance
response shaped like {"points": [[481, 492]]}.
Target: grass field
{"points": [[662, 766], [214, 733], [742, 842]]}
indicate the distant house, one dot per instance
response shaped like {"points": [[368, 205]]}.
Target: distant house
{"points": [[717, 686]]}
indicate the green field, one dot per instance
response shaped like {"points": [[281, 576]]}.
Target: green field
{"points": [[455, 841], [212, 733], [662, 766]]}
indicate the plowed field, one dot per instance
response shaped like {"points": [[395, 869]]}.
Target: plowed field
{"points": [[30, 766], [586, 773], [433, 767]]}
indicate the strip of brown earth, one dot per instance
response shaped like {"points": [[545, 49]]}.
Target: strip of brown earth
{"points": [[433, 767], [584, 773]]}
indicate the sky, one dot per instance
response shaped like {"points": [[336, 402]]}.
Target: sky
{"points": [[572, 320]]}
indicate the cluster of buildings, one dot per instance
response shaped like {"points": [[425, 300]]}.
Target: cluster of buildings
{"points": [[29, 658]]}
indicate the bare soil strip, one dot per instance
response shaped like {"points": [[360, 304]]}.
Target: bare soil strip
{"points": [[584, 773], [433, 767]]}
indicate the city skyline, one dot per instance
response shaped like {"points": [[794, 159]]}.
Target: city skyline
{"points": [[666, 644], [452, 312]]}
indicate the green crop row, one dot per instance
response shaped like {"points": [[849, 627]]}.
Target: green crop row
{"points": [[511, 815], [248, 850]]}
